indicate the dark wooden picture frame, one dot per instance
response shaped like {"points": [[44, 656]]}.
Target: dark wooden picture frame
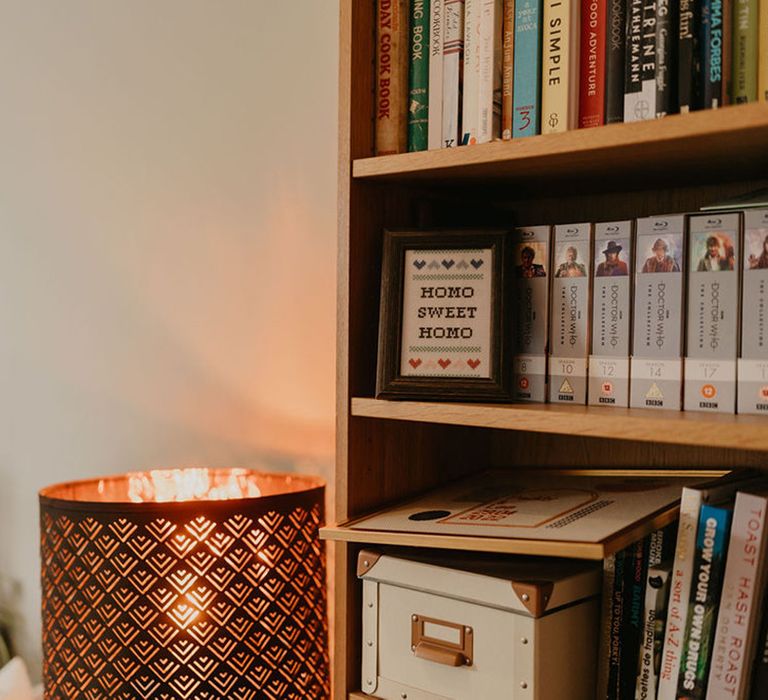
{"points": [[390, 381]]}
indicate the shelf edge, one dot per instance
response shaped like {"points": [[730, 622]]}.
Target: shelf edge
{"points": [[666, 427], [677, 129]]}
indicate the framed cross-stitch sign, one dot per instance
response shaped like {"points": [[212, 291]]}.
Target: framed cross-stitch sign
{"points": [[445, 319]]}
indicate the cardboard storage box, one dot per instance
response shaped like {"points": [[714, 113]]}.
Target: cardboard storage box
{"points": [[479, 629]]}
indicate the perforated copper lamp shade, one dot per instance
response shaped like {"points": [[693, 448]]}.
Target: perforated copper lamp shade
{"points": [[184, 599]]}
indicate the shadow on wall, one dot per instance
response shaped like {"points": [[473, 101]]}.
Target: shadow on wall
{"points": [[10, 593]]}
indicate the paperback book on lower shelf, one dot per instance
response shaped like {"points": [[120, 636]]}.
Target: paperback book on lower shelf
{"points": [[545, 505]]}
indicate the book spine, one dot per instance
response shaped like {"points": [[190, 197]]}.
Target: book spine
{"points": [[592, 73], [688, 73], [606, 618], [713, 312], [436, 39], [569, 331], [646, 108], [453, 48], [727, 67], [490, 70], [611, 310], [618, 605], [560, 66], [760, 665], [679, 593], [616, 18], [668, 543], [661, 545], [738, 615], [532, 273], [527, 69], [632, 626], [762, 69], [508, 70], [470, 98], [633, 81], [711, 48], [709, 563], [745, 23], [660, 554], [391, 77], [666, 30], [656, 591], [418, 83], [752, 371]]}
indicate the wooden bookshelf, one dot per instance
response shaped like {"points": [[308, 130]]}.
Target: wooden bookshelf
{"points": [[552, 548], [667, 427], [390, 451], [733, 139]]}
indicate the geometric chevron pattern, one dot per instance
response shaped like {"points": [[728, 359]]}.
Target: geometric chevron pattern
{"points": [[218, 605]]}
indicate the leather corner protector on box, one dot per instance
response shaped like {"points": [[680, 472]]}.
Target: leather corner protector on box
{"points": [[481, 627]]}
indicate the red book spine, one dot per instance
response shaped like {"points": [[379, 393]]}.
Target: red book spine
{"points": [[592, 72]]}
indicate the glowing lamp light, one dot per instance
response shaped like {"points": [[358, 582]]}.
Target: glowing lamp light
{"points": [[184, 584]]}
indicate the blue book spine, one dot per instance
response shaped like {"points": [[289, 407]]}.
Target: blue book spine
{"points": [[708, 569], [527, 82], [711, 47]]}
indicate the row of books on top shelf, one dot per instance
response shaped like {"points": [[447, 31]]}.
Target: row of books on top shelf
{"points": [[458, 72], [604, 314], [684, 611]]}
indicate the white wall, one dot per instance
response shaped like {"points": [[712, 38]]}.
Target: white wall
{"points": [[167, 245]]}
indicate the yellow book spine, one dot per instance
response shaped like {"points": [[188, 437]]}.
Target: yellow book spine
{"points": [[560, 62], [762, 68]]}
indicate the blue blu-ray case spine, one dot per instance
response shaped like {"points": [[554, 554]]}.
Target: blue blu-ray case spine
{"points": [[527, 81]]}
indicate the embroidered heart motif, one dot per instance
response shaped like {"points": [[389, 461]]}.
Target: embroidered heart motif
{"points": [[473, 363], [462, 265], [418, 264], [477, 264], [443, 363], [434, 265], [447, 264], [414, 362]]}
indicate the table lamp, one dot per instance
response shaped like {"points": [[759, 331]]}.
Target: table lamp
{"points": [[189, 584]]}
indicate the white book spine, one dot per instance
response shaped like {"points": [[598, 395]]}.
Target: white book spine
{"points": [[436, 38], [471, 87], [679, 593], [453, 47], [490, 68], [738, 616]]}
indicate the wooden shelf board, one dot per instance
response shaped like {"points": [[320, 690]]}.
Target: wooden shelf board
{"points": [[501, 545], [725, 143], [360, 696], [645, 425]]}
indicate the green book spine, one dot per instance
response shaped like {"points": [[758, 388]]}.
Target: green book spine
{"points": [[418, 78], [745, 37]]}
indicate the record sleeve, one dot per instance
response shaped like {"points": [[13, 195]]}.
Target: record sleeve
{"points": [[540, 505]]}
